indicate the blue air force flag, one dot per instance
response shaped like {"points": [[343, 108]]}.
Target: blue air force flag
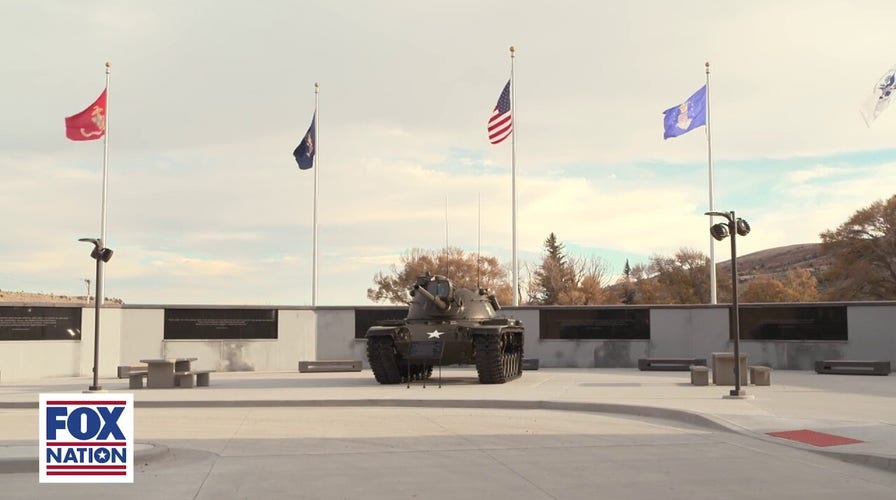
{"points": [[304, 152], [686, 116], [880, 96]]}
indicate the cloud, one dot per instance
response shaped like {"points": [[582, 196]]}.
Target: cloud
{"points": [[818, 172], [208, 100], [186, 266]]}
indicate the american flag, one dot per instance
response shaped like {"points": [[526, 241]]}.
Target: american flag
{"points": [[500, 125]]}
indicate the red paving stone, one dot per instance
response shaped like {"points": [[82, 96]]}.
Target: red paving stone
{"points": [[814, 438]]}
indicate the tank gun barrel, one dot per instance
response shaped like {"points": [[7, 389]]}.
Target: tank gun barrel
{"points": [[440, 304]]}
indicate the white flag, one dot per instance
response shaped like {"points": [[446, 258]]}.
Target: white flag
{"points": [[880, 96]]}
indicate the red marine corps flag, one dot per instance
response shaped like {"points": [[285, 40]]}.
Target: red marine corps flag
{"points": [[89, 124]]}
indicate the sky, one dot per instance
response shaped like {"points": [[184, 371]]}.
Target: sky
{"points": [[207, 100]]}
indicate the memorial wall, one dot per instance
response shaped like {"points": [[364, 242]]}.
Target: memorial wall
{"points": [[42, 340], [40, 323]]}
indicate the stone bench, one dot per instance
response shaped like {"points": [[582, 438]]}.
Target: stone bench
{"points": [[184, 379], [203, 377], [669, 364], [125, 371], [192, 378], [760, 375], [852, 367], [136, 379], [723, 368], [350, 365], [530, 364], [699, 375]]}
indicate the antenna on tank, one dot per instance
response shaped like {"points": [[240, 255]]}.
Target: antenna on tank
{"points": [[478, 239], [445, 251]]}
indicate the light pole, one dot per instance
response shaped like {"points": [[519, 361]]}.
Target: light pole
{"points": [[101, 255], [720, 231]]}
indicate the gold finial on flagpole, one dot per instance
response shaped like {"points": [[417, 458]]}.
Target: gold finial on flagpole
{"points": [[707, 67], [108, 66], [512, 50]]}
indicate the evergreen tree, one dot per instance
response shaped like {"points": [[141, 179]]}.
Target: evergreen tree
{"points": [[553, 279], [628, 291]]}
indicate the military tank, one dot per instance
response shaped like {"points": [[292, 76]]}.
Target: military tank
{"points": [[460, 322]]}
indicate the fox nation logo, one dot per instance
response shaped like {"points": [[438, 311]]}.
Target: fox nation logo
{"points": [[86, 438]]}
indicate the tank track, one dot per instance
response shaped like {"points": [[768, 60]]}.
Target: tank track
{"points": [[387, 365], [383, 360], [499, 359]]}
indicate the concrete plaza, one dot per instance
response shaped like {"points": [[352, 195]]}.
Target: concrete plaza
{"points": [[552, 434]]}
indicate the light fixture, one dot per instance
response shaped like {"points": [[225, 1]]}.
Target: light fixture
{"points": [[719, 231]]}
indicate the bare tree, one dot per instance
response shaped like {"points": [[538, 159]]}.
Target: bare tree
{"points": [[798, 285], [589, 277], [679, 279], [864, 254], [465, 270]]}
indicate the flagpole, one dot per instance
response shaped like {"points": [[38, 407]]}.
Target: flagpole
{"points": [[712, 253], [314, 211], [101, 279], [516, 281], [100, 245]]}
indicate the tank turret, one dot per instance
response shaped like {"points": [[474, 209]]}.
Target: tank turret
{"points": [[436, 301], [464, 320]]}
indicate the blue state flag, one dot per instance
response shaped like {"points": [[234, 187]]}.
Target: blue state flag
{"points": [[686, 116], [304, 152]]}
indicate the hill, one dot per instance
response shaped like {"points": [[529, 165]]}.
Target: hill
{"points": [[778, 261], [30, 297]]}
